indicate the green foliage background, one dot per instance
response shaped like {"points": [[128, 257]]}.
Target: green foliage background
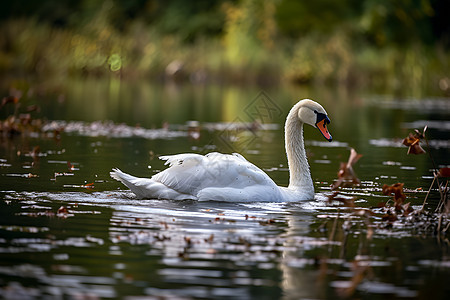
{"points": [[353, 42]]}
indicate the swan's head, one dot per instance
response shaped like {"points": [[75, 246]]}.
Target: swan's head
{"points": [[312, 113]]}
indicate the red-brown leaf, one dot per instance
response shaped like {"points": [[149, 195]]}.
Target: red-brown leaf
{"points": [[348, 202], [88, 185], [409, 140], [413, 142], [416, 149], [62, 210], [407, 209], [444, 172], [390, 217], [346, 174], [397, 190]]}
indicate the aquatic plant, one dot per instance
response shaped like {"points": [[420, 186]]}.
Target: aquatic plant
{"points": [[413, 141], [390, 216], [431, 217]]}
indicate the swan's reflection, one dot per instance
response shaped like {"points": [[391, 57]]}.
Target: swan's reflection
{"points": [[217, 245], [300, 273]]}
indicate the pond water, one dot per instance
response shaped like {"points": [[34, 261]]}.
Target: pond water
{"points": [[69, 231]]}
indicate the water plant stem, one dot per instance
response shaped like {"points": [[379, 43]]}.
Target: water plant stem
{"points": [[428, 193], [435, 174], [442, 202]]}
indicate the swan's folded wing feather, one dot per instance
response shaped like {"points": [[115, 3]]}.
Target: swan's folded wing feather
{"points": [[190, 173], [181, 158]]}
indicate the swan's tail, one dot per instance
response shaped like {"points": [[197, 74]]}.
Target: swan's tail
{"points": [[132, 182], [147, 188], [122, 177]]}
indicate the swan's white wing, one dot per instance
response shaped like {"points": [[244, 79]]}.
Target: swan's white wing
{"points": [[217, 177]]}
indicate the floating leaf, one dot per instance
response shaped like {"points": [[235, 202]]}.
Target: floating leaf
{"points": [[397, 191], [407, 209], [348, 202], [267, 222], [62, 210], [88, 185], [210, 239], [70, 166], [389, 217], [398, 197]]}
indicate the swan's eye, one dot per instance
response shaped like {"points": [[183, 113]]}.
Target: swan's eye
{"points": [[321, 116]]}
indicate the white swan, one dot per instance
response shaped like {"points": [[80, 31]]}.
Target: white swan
{"points": [[225, 177]]}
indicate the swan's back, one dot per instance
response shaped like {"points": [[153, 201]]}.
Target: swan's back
{"points": [[217, 176]]}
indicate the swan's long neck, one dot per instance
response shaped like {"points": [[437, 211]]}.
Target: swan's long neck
{"points": [[299, 174]]}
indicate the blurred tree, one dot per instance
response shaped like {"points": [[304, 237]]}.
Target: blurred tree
{"points": [[250, 28], [303, 40], [398, 22], [381, 22], [55, 12], [440, 21], [190, 19], [297, 18]]}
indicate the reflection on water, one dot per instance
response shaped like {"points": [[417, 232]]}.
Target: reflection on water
{"points": [[67, 231], [106, 244]]}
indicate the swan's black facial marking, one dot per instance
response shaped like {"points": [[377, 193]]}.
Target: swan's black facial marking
{"points": [[320, 117], [321, 123]]}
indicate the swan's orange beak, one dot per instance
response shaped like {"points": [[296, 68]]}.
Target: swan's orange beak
{"points": [[321, 124]]}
